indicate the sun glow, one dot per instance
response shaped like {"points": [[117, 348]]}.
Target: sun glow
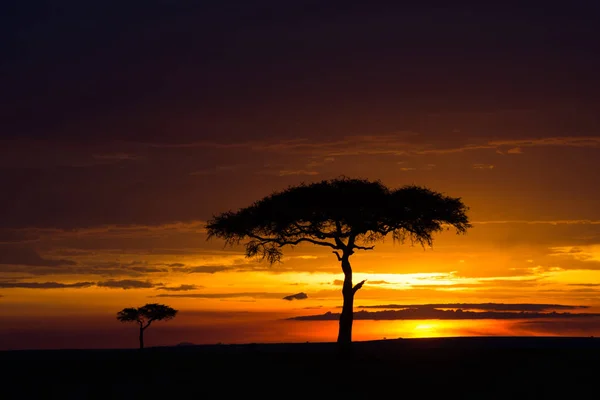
{"points": [[425, 328], [369, 330]]}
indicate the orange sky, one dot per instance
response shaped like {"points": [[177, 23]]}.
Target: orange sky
{"points": [[114, 153], [224, 297]]}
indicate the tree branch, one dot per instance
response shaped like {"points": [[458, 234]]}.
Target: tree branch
{"points": [[311, 230], [317, 242], [364, 247], [339, 234], [283, 242], [338, 228], [338, 255], [358, 286], [351, 240]]}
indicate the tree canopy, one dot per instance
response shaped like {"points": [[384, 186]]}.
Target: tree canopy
{"points": [[343, 214], [145, 315]]}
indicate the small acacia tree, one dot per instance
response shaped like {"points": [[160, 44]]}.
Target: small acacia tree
{"points": [[343, 214], [145, 315]]}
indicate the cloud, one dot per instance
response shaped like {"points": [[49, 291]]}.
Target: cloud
{"points": [[388, 144], [102, 231], [585, 284], [44, 285], [148, 270], [515, 150], [127, 284], [316, 162], [339, 282], [434, 313], [111, 283], [254, 295], [180, 288], [11, 236], [94, 212], [99, 269], [116, 157], [516, 145], [541, 222], [563, 141], [288, 172], [483, 166], [583, 257], [205, 269], [216, 169], [297, 296], [19, 255], [588, 253], [526, 307], [305, 257], [484, 283]]}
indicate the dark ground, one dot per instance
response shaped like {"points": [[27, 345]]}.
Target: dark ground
{"points": [[479, 368]]}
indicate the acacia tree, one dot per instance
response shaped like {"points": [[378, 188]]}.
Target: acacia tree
{"points": [[145, 315], [343, 214]]}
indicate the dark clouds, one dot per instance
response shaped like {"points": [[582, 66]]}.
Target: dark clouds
{"points": [[44, 285], [126, 284], [252, 295], [106, 269], [180, 288], [297, 296], [252, 58], [74, 197], [146, 270], [10, 236], [429, 312], [206, 269], [110, 284], [20, 255], [484, 306], [94, 100]]}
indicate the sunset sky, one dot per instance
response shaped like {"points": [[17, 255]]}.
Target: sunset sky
{"points": [[124, 128]]}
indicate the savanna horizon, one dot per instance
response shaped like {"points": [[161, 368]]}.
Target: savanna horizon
{"points": [[115, 154]]}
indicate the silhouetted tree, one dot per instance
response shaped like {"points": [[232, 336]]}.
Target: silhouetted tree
{"points": [[145, 315], [343, 214]]}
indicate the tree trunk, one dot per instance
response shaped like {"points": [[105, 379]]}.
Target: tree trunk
{"points": [[141, 338], [346, 317]]}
